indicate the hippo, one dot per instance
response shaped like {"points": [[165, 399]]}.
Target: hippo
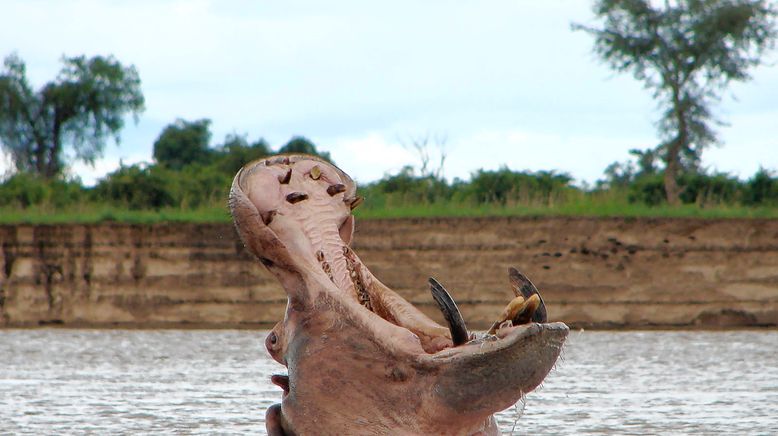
{"points": [[361, 359]]}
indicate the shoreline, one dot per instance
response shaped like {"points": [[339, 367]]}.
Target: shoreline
{"points": [[595, 273]]}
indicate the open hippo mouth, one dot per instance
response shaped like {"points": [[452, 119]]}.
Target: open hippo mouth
{"points": [[360, 358]]}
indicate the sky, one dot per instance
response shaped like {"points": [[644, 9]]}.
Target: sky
{"points": [[488, 83]]}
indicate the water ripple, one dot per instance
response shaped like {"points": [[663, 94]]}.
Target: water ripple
{"points": [[55, 381]]}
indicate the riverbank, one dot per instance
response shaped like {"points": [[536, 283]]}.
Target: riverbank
{"points": [[592, 272]]}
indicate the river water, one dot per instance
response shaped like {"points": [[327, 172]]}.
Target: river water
{"points": [[58, 381]]}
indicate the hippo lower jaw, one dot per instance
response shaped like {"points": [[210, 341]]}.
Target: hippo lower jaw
{"points": [[360, 358]]}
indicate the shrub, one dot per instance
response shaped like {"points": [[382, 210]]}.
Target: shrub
{"points": [[503, 185], [136, 187], [761, 189], [24, 189]]}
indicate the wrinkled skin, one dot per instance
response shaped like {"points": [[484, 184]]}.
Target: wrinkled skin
{"points": [[360, 358]]}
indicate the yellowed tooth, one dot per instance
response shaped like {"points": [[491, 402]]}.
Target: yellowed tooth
{"points": [[518, 311], [524, 315], [315, 172], [508, 313]]}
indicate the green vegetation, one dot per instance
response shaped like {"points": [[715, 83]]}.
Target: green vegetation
{"points": [[198, 193], [685, 52], [76, 112]]}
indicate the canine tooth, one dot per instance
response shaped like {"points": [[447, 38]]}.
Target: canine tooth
{"points": [[296, 197], [522, 286], [336, 189], [285, 179], [315, 172], [320, 256], [451, 312]]}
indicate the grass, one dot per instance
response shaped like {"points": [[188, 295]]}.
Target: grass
{"points": [[583, 206], [90, 214]]}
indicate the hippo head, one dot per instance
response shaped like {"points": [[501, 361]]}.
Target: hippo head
{"points": [[360, 358]]}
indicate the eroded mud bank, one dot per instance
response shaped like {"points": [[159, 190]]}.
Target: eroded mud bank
{"points": [[592, 272]]}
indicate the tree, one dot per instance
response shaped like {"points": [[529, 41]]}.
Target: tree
{"points": [[81, 108], [686, 52], [236, 152], [622, 174], [301, 144], [421, 145], [183, 143]]}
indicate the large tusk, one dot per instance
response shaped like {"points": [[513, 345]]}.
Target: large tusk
{"points": [[523, 287], [456, 324]]}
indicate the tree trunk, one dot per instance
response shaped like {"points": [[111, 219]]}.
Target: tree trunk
{"points": [[673, 154], [672, 190], [52, 159]]}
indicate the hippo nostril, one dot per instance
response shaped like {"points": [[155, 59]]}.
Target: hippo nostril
{"points": [[265, 261]]}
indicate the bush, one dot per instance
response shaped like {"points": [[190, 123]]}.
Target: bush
{"points": [[761, 189], [199, 186], [136, 187], [704, 189], [23, 190], [413, 189], [527, 187], [649, 190]]}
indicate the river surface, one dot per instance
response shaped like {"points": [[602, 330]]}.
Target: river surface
{"points": [[59, 381]]}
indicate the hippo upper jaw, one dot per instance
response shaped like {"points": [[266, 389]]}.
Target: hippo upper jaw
{"points": [[356, 351]]}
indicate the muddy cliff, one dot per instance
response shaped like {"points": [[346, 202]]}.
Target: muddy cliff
{"points": [[591, 271]]}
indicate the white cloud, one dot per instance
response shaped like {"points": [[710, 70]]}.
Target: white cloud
{"points": [[506, 81]]}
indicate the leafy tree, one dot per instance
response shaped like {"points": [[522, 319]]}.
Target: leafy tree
{"points": [[183, 143], [236, 152], [82, 107], [301, 144], [622, 174], [686, 52]]}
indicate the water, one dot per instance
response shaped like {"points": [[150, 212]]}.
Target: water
{"points": [[55, 381]]}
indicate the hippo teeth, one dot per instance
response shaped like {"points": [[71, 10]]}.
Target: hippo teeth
{"points": [[523, 287], [456, 324], [518, 311]]}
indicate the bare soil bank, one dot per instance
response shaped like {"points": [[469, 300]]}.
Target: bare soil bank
{"points": [[592, 272]]}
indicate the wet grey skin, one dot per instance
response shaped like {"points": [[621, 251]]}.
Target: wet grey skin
{"points": [[361, 359]]}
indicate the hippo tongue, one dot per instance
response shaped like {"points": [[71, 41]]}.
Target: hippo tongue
{"points": [[282, 381]]}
